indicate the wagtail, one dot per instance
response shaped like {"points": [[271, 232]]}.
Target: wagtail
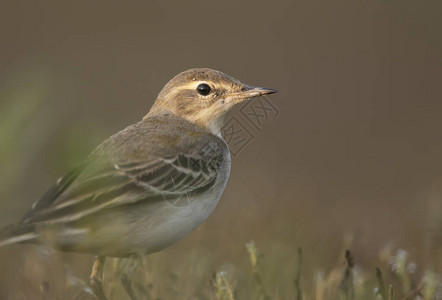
{"points": [[121, 201]]}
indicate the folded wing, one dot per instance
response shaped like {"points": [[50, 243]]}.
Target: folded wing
{"points": [[94, 187]]}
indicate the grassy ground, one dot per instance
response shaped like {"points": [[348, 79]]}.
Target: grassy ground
{"points": [[279, 274]]}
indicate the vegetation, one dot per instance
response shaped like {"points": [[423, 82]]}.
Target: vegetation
{"points": [[396, 277]]}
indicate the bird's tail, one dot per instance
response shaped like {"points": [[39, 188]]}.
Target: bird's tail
{"points": [[14, 234]]}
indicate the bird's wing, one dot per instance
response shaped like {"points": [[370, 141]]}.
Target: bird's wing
{"points": [[57, 189], [98, 186]]}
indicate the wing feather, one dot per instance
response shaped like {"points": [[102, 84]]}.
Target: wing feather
{"points": [[112, 185]]}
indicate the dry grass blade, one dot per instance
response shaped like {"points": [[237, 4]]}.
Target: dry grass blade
{"points": [[346, 285], [382, 291], [254, 259], [297, 280]]}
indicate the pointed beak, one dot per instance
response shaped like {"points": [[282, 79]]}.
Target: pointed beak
{"points": [[252, 92]]}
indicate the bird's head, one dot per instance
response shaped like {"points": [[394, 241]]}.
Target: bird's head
{"points": [[204, 96]]}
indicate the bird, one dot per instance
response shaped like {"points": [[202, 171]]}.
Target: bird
{"points": [[121, 201]]}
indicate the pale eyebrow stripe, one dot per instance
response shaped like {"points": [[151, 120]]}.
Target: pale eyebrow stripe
{"points": [[193, 85]]}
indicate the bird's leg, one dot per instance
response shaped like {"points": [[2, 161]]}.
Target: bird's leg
{"points": [[96, 279], [128, 274]]}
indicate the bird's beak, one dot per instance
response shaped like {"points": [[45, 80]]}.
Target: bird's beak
{"points": [[251, 92]]}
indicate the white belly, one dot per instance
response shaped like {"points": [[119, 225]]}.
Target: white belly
{"points": [[172, 221]]}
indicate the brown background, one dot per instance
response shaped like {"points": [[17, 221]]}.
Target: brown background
{"points": [[356, 149]]}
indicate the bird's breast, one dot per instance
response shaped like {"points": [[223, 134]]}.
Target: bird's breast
{"points": [[174, 219]]}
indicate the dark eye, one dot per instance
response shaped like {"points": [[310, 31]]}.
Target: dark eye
{"points": [[203, 89]]}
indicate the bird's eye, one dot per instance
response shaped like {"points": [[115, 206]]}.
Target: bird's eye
{"points": [[203, 89]]}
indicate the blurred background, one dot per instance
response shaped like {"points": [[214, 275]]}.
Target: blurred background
{"points": [[353, 159]]}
